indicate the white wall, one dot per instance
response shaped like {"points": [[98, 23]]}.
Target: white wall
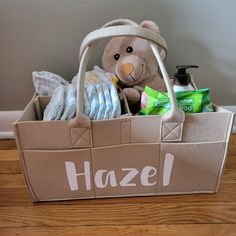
{"points": [[46, 34]]}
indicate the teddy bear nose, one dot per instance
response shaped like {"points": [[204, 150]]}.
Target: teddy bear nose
{"points": [[127, 68]]}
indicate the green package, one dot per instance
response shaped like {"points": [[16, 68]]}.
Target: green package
{"points": [[193, 101]]}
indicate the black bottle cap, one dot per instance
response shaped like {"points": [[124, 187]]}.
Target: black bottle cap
{"points": [[182, 78]]}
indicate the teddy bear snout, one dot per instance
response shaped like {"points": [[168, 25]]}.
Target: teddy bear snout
{"points": [[130, 69], [127, 68]]}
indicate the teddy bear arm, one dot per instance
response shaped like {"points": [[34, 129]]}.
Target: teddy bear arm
{"points": [[139, 88], [132, 95], [158, 84]]}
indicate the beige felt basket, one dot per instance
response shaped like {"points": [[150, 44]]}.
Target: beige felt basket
{"points": [[127, 156]]}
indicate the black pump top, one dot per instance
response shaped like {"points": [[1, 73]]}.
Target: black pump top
{"points": [[182, 78]]}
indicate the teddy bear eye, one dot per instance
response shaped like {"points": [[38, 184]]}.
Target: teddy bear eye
{"points": [[116, 57], [129, 49]]}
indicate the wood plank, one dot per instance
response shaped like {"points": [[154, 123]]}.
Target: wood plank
{"points": [[12, 181], [8, 144], [233, 139], [118, 214], [14, 197], [136, 230], [229, 176], [232, 145], [20, 197], [232, 150], [231, 162], [9, 162], [10, 167], [6, 155]]}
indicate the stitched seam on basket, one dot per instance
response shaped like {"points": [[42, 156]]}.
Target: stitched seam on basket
{"points": [[159, 166], [76, 141], [81, 137], [129, 133], [130, 139], [223, 134], [27, 179], [25, 173], [171, 131], [120, 133]]}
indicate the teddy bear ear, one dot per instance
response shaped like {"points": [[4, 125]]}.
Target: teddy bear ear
{"points": [[151, 25]]}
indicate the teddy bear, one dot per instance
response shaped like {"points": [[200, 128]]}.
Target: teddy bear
{"points": [[133, 62]]}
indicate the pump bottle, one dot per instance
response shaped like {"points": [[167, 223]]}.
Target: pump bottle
{"points": [[182, 79]]}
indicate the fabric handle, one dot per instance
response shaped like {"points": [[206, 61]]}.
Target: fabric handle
{"points": [[173, 118]]}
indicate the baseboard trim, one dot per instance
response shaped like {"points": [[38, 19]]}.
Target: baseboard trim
{"points": [[9, 117], [234, 129], [7, 135], [6, 120]]}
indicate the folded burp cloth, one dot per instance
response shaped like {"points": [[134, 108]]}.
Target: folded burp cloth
{"points": [[46, 82]]}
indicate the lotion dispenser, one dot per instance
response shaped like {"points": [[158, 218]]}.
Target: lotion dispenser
{"points": [[182, 79]]}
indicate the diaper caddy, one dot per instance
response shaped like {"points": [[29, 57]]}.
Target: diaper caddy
{"points": [[175, 153]]}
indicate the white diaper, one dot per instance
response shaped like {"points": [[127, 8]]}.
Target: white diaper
{"points": [[70, 103], [55, 107], [93, 100], [101, 102]]}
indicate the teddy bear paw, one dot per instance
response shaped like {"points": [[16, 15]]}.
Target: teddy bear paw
{"points": [[132, 95]]}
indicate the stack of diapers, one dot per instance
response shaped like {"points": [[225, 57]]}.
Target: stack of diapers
{"points": [[101, 99], [62, 105]]}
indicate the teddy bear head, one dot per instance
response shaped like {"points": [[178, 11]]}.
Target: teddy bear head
{"points": [[131, 58]]}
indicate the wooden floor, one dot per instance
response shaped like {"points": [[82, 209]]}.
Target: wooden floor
{"points": [[201, 214]]}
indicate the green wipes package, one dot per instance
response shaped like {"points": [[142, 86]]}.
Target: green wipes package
{"points": [[193, 101]]}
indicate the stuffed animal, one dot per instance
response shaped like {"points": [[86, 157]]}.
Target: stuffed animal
{"points": [[133, 62]]}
